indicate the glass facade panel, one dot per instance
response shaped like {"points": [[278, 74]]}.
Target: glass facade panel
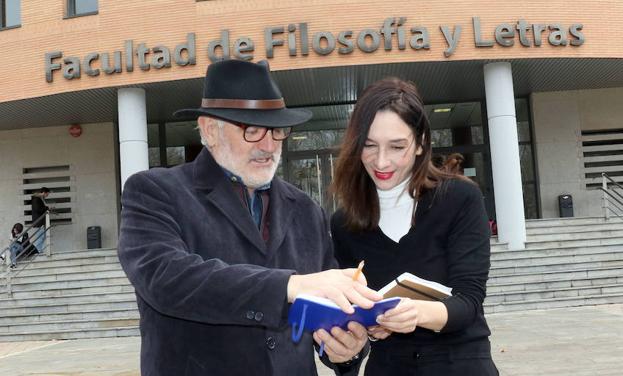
{"points": [[305, 174], [478, 138], [315, 140], [176, 155], [441, 138], [525, 160], [154, 157], [529, 201], [523, 131]]}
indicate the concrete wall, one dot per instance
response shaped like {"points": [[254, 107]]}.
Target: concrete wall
{"points": [[94, 196], [559, 118]]}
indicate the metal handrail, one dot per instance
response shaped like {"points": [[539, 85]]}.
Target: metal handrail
{"points": [[610, 199], [12, 273]]}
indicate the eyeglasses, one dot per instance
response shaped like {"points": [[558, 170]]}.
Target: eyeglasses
{"points": [[394, 152], [254, 133]]}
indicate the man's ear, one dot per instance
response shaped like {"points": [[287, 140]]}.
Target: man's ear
{"points": [[208, 130]]}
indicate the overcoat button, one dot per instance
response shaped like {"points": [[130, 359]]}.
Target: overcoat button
{"points": [[271, 343], [259, 316]]}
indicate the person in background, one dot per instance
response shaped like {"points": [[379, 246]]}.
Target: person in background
{"points": [[19, 243], [218, 248], [438, 160], [39, 208], [400, 214], [454, 163]]}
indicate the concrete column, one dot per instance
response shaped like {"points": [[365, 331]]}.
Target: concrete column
{"points": [[505, 155], [133, 152]]}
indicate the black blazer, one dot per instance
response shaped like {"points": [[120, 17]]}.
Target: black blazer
{"points": [[449, 244], [211, 292], [38, 209]]}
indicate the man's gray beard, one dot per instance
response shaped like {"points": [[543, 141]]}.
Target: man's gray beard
{"points": [[224, 158]]}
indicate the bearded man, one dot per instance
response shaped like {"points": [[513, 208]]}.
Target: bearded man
{"points": [[218, 248]]}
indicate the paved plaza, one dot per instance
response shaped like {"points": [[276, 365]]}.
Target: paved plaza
{"points": [[586, 341]]}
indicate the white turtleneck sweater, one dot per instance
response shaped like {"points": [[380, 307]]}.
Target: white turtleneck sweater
{"points": [[397, 208]]}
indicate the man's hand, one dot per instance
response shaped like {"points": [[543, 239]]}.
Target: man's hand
{"points": [[341, 346], [336, 285]]}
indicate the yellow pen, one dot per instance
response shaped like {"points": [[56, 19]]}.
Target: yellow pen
{"points": [[358, 271]]}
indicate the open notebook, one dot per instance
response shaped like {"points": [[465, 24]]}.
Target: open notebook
{"points": [[408, 285]]}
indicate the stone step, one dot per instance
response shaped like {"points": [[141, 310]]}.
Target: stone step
{"points": [[71, 334], [68, 263], [552, 303], [531, 269], [73, 252], [124, 287], [78, 304], [552, 252], [71, 316], [554, 260], [577, 235], [68, 270], [553, 285], [565, 292], [55, 326], [44, 301], [72, 284], [571, 229], [565, 222], [615, 240], [113, 272], [555, 275]]}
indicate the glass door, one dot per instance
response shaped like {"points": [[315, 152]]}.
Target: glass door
{"points": [[312, 173]]}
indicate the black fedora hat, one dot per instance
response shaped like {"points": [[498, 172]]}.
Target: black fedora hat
{"points": [[244, 92]]}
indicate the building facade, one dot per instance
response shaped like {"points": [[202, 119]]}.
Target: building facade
{"points": [[531, 94]]}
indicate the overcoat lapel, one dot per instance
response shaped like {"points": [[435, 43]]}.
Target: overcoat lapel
{"points": [[211, 181], [279, 213]]}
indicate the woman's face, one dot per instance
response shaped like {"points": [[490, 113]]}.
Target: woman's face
{"points": [[390, 150]]}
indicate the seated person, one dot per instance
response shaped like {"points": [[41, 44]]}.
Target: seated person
{"points": [[19, 243]]}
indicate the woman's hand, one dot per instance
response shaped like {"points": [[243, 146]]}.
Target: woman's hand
{"points": [[403, 318], [378, 332]]}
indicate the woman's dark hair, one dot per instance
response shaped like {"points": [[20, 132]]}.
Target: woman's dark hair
{"points": [[352, 185], [17, 229]]}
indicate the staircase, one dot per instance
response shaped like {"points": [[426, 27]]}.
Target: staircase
{"points": [[567, 263], [78, 294], [85, 294]]}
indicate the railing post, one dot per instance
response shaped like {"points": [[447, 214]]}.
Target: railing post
{"points": [[8, 284], [48, 242], [604, 186]]}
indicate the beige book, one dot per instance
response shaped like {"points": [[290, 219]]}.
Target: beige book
{"points": [[408, 285]]}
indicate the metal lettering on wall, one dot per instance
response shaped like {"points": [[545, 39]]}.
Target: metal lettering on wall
{"points": [[297, 38]]}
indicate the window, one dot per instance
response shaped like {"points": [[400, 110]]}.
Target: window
{"points": [[60, 180], [81, 7], [9, 13]]}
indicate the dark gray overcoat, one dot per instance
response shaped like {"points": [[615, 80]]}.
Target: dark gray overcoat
{"points": [[211, 292]]}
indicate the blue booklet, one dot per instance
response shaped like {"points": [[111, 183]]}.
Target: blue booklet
{"points": [[310, 313]]}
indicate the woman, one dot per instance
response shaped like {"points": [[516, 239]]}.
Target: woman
{"points": [[401, 214]]}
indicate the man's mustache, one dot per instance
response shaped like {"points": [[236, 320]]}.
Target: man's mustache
{"points": [[263, 155]]}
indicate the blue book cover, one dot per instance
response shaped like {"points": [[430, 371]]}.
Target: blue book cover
{"points": [[310, 313]]}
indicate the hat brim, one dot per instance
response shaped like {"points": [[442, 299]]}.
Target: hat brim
{"points": [[284, 117]]}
